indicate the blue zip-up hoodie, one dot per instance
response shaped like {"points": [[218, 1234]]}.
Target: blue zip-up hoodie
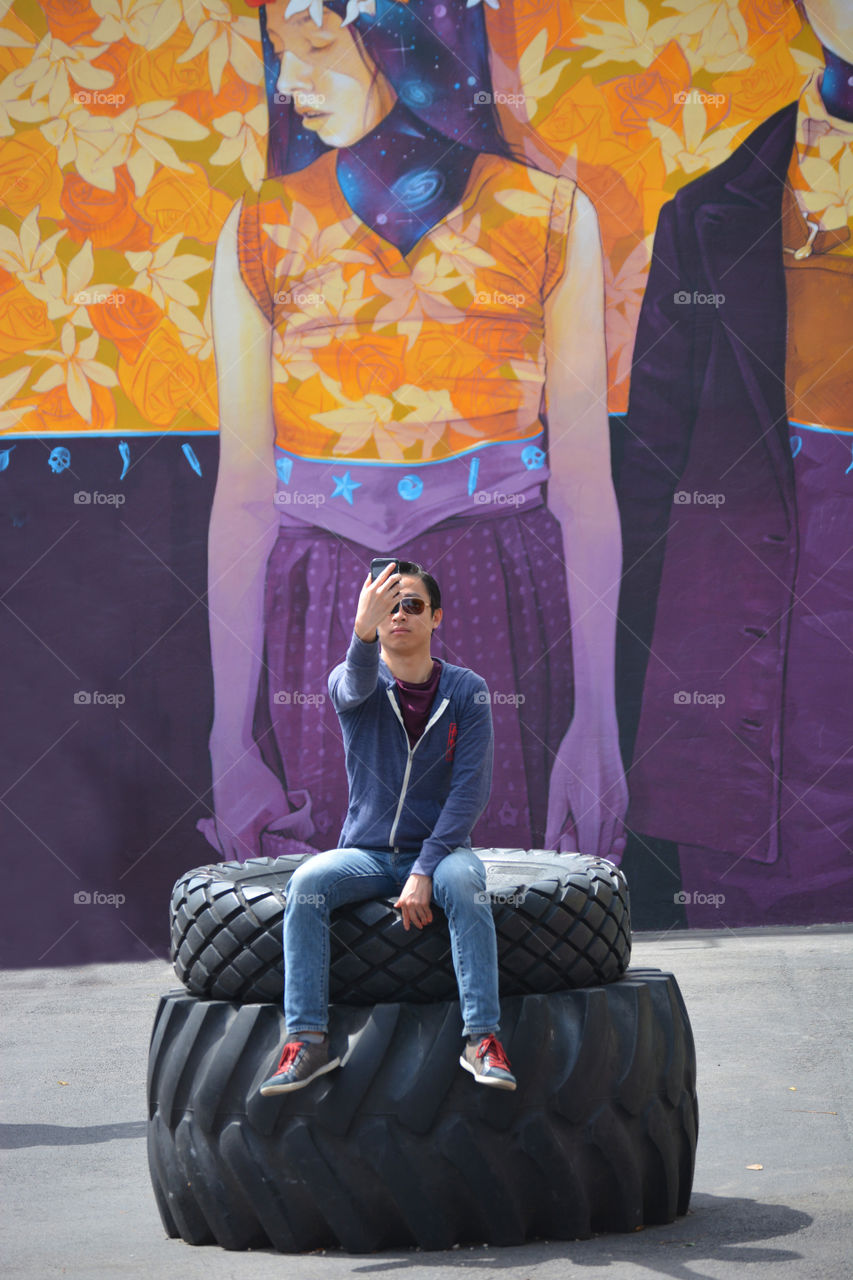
{"points": [[422, 799]]}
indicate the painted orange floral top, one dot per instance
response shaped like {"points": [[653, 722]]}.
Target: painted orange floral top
{"points": [[421, 374]]}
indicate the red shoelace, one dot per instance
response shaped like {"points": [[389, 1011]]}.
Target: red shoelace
{"points": [[288, 1056], [493, 1051]]}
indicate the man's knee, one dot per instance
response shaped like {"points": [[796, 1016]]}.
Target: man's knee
{"points": [[459, 874], [315, 876]]}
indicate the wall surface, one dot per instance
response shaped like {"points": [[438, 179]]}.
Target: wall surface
{"points": [[610, 412]]}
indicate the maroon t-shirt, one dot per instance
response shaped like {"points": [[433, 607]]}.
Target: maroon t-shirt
{"points": [[416, 702]]}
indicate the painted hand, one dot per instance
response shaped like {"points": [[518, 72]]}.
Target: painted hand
{"points": [[588, 795]]}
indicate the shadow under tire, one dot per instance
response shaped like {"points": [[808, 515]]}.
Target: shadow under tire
{"points": [[400, 1147], [562, 921]]}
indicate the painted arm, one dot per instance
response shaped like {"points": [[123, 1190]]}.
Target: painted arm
{"points": [[247, 796], [587, 780]]}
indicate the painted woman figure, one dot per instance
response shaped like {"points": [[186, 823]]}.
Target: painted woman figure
{"points": [[410, 354]]}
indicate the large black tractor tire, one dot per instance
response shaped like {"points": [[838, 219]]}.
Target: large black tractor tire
{"points": [[562, 921], [401, 1147]]}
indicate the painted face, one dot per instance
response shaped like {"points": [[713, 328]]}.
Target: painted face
{"points": [[334, 86], [405, 633], [832, 23]]}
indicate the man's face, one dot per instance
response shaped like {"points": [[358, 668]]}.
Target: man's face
{"points": [[409, 633]]}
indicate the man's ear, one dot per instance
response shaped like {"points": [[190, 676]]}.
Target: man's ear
{"points": [[436, 617]]}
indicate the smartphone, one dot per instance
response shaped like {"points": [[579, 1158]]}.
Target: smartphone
{"points": [[377, 565]]}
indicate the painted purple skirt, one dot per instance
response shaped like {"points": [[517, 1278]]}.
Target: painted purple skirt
{"points": [[506, 616]]}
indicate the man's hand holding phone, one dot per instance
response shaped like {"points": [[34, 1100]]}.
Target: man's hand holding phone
{"points": [[380, 590]]}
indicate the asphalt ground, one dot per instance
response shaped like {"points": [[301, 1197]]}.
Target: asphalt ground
{"points": [[771, 1014]]}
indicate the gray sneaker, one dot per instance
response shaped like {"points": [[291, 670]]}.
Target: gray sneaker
{"points": [[301, 1062], [485, 1058]]}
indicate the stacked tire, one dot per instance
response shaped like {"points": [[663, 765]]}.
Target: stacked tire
{"points": [[400, 1147]]}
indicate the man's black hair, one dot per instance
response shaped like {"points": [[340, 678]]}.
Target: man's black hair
{"points": [[409, 569]]}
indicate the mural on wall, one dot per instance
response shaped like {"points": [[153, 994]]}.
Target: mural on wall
{"points": [[735, 490], [427, 298], [392, 256]]}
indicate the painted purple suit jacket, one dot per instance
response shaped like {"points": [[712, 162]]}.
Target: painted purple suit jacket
{"points": [[708, 582]]}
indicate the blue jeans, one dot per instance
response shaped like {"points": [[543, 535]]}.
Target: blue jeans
{"points": [[331, 879]]}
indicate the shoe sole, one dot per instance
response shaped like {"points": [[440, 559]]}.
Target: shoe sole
{"points": [[269, 1090], [491, 1081]]}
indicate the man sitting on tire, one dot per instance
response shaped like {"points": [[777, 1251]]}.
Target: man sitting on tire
{"points": [[419, 747]]}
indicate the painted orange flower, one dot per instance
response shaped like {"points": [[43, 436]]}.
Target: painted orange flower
{"points": [[769, 21], [53, 412], [107, 218], [234, 95], [652, 94], [531, 16], [70, 20], [371, 367], [119, 96], [159, 73], [166, 385], [773, 80], [126, 319], [579, 119], [16, 48], [184, 204], [298, 409], [23, 322], [29, 175]]}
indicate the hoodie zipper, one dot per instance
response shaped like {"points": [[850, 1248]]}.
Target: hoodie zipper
{"points": [[411, 751]]}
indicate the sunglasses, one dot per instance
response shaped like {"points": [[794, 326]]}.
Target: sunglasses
{"points": [[409, 604]]}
